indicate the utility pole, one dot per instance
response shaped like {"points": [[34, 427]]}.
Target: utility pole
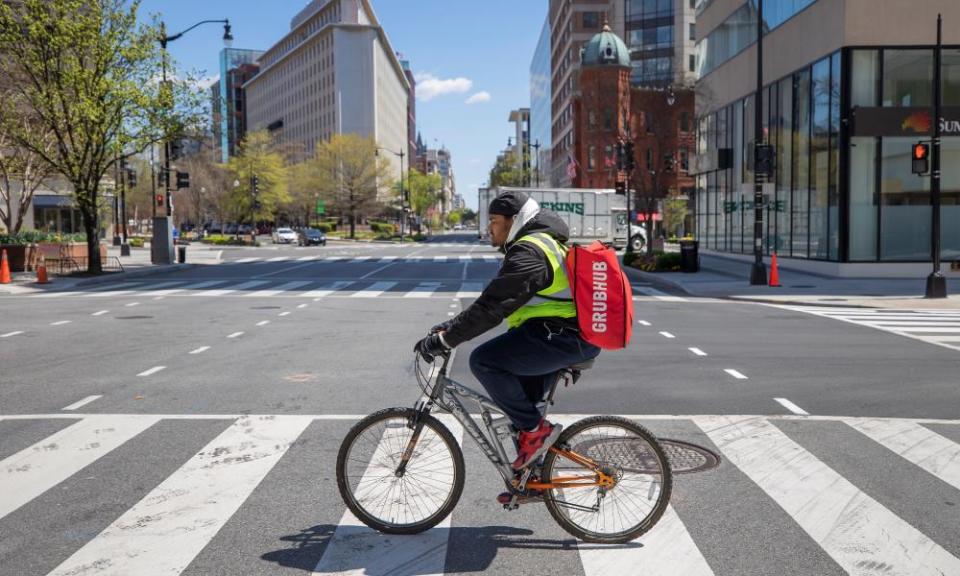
{"points": [[936, 283]]}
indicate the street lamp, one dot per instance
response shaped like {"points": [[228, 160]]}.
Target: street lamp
{"points": [[162, 245], [403, 187]]}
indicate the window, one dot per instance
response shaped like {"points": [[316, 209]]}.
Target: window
{"points": [[649, 158], [693, 32], [607, 119], [684, 121], [904, 204], [906, 78], [590, 20], [685, 159], [866, 72], [692, 65], [591, 162], [591, 119]]}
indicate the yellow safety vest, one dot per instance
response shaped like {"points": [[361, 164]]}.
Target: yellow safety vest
{"points": [[556, 300]]}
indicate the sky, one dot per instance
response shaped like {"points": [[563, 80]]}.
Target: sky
{"points": [[471, 57]]}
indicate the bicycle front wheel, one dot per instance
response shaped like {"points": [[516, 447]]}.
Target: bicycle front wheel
{"points": [[411, 501], [629, 454]]}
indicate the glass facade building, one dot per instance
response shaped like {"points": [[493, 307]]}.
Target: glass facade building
{"points": [[540, 104], [236, 67], [843, 190]]}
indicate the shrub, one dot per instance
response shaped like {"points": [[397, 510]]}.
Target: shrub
{"points": [[37, 237], [658, 262], [323, 227], [136, 242]]}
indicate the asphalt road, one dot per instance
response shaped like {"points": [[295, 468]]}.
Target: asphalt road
{"points": [[109, 393]]}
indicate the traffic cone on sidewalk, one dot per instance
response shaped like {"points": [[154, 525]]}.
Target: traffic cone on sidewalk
{"points": [[774, 274], [4, 269], [42, 272]]}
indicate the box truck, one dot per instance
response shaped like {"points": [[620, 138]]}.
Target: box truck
{"points": [[591, 214]]}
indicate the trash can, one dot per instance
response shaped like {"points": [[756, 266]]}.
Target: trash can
{"points": [[689, 256], [181, 254]]}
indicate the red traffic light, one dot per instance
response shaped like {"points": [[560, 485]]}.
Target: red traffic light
{"points": [[921, 151], [159, 199]]}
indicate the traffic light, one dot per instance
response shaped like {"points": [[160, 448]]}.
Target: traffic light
{"points": [[183, 180], [621, 157], [255, 185], [131, 178], [629, 159], [159, 200], [763, 159], [921, 158], [621, 188]]}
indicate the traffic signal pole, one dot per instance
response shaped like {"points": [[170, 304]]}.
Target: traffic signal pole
{"points": [[936, 283], [758, 272]]}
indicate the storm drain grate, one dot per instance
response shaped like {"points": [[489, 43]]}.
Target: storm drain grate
{"points": [[635, 456]]}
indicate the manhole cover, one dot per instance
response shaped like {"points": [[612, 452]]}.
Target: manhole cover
{"points": [[132, 317], [266, 308], [635, 455]]}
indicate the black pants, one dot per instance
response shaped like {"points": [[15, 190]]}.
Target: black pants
{"points": [[516, 368]]}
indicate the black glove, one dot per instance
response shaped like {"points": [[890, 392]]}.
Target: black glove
{"points": [[442, 327], [430, 347]]}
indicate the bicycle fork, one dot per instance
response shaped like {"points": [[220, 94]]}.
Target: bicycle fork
{"points": [[415, 423]]}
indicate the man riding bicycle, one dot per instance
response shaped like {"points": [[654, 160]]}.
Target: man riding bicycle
{"points": [[532, 293]]}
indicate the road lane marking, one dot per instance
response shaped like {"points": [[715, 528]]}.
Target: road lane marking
{"points": [[132, 304], [200, 350], [235, 335], [9, 334], [382, 553], [439, 258], [735, 374], [35, 469], [643, 323], [307, 258], [164, 532], [284, 314], [377, 270], [83, 402], [278, 289], [100, 313], [698, 351], [918, 444], [151, 371], [662, 296], [792, 407], [667, 335], [60, 323], [263, 323], [853, 528], [246, 260], [470, 290], [301, 306], [327, 290], [374, 290], [231, 289]]}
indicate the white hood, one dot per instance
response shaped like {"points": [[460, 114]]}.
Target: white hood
{"points": [[529, 209]]}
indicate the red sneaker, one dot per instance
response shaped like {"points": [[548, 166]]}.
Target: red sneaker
{"points": [[535, 443]]}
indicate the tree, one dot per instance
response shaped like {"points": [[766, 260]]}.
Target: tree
{"points": [[22, 172], [256, 158], [424, 192], [86, 72], [674, 214], [508, 172], [350, 177], [453, 217], [209, 182]]}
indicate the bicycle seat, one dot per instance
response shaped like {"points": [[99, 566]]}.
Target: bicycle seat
{"points": [[581, 366]]}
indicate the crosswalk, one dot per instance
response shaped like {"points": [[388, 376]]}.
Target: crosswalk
{"points": [[461, 258], [940, 327], [835, 484]]}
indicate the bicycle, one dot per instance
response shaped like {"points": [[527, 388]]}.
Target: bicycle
{"points": [[401, 471]]}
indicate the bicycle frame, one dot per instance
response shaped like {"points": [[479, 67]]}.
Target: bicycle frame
{"points": [[449, 394]]}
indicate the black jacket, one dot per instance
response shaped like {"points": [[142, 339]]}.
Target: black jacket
{"points": [[524, 272]]}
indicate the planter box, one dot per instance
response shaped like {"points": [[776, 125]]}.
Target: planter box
{"points": [[16, 256], [74, 250]]}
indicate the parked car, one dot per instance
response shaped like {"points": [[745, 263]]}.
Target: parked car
{"points": [[458, 226], [284, 236], [244, 229], [311, 237], [231, 229]]}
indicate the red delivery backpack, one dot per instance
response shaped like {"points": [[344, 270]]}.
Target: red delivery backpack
{"points": [[602, 294]]}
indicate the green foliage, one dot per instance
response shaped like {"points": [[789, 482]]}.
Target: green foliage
{"points": [[383, 228], [657, 262], [27, 237], [223, 240], [425, 191], [256, 157], [674, 213], [508, 172], [323, 227], [454, 217], [136, 242]]}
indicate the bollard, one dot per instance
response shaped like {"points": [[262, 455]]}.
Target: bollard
{"points": [[181, 254]]}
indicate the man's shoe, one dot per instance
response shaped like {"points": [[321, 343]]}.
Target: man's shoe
{"points": [[535, 443]]}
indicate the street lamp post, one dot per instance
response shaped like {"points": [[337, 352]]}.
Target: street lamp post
{"points": [[758, 272], [162, 241]]}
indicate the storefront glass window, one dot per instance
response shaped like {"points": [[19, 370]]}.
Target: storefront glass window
{"points": [[950, 199], [866, 72], [801, 164], [820, 160], [784, 167], [950, 71], [907, 78], [863, 199], [904, 204]]}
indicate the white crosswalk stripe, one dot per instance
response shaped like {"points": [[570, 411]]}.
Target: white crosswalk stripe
{"points": [[374, 290], [940, 327], [279, 289], [424, 290], [470, 290], [327, 290], [452, 259], [166, 527]]}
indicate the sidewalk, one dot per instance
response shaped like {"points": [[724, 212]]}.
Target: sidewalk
{"points": [[136, 265], [727, 278]]}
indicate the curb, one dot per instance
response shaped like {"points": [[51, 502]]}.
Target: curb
{"points": [[152, 270], [654, 279]]}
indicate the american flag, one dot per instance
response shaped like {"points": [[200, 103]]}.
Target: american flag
{"points": [[572, 166]]}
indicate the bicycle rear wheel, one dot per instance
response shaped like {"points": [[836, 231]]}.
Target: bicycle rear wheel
{"points": [[426, 492], [624, 450]]}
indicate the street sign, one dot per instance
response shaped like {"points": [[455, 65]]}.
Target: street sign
{"points": [[321, 207]]}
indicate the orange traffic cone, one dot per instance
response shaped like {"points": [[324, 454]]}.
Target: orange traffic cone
{"points": [[774, 274], [4, 269], [42, 272]]}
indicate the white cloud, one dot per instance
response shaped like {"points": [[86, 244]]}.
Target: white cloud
{"points": [[429, 86], [479, 97]]}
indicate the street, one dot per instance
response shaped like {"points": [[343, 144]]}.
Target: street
{"points": [[188, 422]]}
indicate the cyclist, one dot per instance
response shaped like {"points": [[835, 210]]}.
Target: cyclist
{"points": [[531, 292]]}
